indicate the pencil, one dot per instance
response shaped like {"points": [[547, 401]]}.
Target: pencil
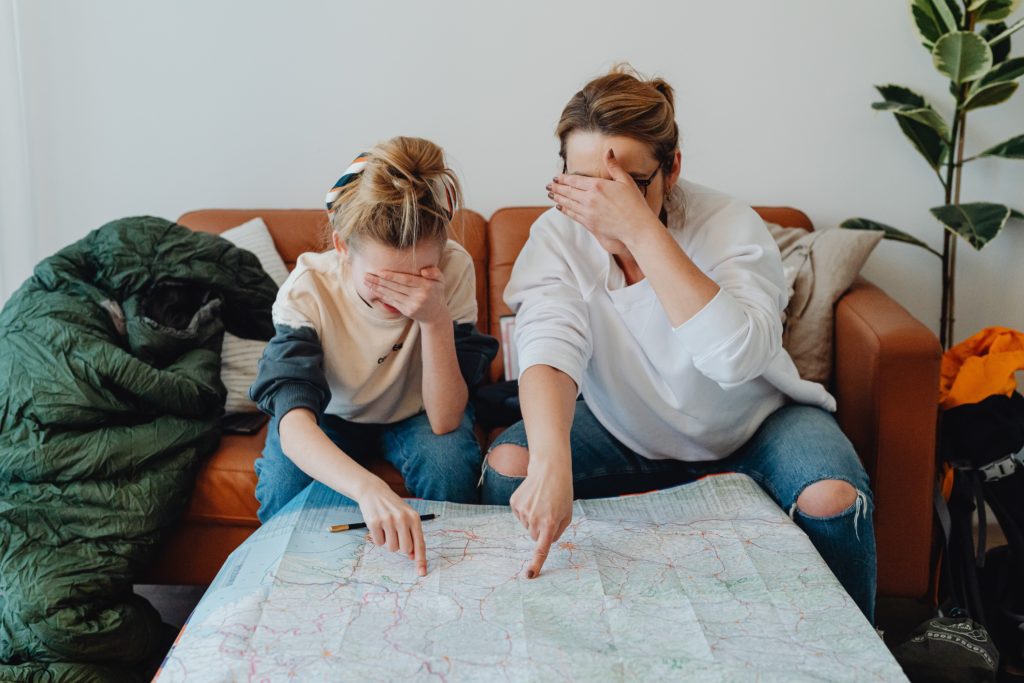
{"points": [[362, 525]]}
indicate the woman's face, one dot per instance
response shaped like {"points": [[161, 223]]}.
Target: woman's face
{"points": [[585, 152], [370, 256]]}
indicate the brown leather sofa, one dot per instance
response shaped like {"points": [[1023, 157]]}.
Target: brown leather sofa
{"points": [[886, 383]]}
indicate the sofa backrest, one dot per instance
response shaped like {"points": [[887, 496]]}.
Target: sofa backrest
{"points": [[295, 231]]}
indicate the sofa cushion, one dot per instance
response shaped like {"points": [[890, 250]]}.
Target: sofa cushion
{"points": [[820, 267], [470, 230], [225, 490], [239, 357], [507, 232]]}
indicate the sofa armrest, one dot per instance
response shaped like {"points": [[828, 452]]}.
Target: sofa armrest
{"points": [[886, 386]]}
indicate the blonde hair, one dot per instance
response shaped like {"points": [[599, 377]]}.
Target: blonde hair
{"points": [[405, 194], [623, 102]]}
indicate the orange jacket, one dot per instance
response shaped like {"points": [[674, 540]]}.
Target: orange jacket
{"points": [[981, 366]]}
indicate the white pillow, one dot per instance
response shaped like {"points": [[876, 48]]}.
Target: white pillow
{"points": [[819, 267], [239, 357]]}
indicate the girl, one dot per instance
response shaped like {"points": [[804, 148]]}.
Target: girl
{"points": [[376, 348], [662, 300]]}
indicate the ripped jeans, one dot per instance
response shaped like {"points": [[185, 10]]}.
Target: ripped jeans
{"points": [[794, 447]]}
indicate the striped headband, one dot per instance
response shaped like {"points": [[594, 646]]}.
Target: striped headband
{"points": [[354, 169], [357, 166]]}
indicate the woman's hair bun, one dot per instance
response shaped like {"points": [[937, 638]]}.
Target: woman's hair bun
{"points": [[405, 193]]}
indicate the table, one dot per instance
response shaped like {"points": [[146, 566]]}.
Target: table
{"points": [[705, 581]]}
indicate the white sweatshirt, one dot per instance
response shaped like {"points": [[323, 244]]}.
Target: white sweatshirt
{"points": [[698, 391]]}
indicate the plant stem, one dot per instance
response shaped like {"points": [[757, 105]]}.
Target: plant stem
{"points": [[948, 245], [951, 292], [954, 170]]}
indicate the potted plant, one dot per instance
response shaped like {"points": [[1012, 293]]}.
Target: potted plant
{"points": [[969, 42]]}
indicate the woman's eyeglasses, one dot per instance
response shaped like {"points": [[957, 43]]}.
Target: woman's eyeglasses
{"points": [[641, 183], [644, 183]]}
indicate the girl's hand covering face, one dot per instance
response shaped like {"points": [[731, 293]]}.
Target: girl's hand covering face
{"points": [[418, 297], [611, 209]]}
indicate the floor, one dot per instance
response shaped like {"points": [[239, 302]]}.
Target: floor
{"points": [[174, 603]]}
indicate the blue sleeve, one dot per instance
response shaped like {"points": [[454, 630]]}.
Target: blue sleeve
{"points": [[291, 373]]}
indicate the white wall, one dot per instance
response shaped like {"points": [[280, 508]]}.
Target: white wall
{"points": [[161, 107], [17, 235]]}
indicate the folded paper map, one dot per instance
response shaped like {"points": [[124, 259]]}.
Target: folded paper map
{"points": [[706, 581]]}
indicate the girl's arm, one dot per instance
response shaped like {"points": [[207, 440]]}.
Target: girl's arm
{"points": [[291, 384], [553, 341], [421, 298], [444, 390], [543, 502], [390, 520]]}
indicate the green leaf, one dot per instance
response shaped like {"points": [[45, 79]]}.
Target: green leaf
{"points": [[963, 56], [934, 19], [951, 13], [1010, 149], [990, 95], [925, 115], [1014, 213], [932, 146], [928, 117], [901, 95], [1007, 71], [890, 233], [993, 10], [976, 222], [1001, 50]]}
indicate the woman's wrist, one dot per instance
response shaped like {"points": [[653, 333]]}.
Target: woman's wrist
{"points": [[647, 232], [439, 324], [549, 469], [549, 459], [364, 484]]}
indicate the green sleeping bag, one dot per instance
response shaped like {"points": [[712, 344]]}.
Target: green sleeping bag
{"points": [[110, 396]]}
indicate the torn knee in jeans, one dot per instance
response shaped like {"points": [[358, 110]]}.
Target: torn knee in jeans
{"points": [[831, 498], [508, 459]]}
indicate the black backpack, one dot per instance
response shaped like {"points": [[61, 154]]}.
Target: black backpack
{"points": [[982, 443]]}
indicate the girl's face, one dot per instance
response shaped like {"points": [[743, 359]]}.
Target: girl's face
{"points": [[585, 153], [370, 256]]}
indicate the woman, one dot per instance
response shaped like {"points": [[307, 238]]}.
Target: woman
{"points": [[373, 338], [661, 300]]}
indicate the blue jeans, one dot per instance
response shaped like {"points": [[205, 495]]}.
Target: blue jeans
{"points": [[434, 467], [794, 447]]}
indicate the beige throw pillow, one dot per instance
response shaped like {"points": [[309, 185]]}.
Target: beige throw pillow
{"points": [[239, 357], [819, 266]]}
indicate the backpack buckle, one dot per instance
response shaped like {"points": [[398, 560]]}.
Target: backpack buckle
{"points": [[1003, 467]]}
